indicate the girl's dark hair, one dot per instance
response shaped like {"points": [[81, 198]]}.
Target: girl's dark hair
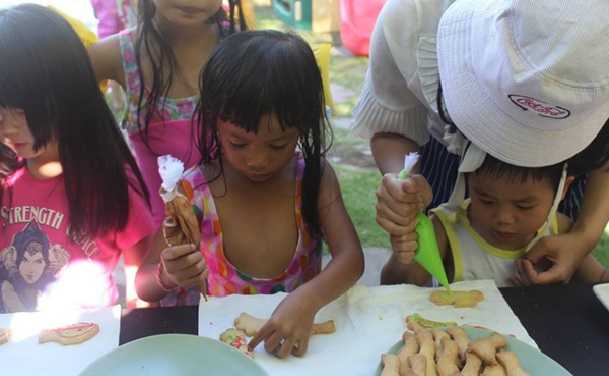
{"points": [[163, 62], [45, 71], [257, 73]]}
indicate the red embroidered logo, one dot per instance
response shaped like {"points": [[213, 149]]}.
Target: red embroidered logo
{"points": [[541, 108]]}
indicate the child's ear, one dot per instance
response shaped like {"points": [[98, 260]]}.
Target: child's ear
{"points": [[568, 181]]}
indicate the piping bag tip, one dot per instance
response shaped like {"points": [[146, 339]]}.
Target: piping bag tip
{"points": [[428, 254]]}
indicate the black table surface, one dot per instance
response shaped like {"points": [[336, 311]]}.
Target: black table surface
{"points": [[568, 323]]}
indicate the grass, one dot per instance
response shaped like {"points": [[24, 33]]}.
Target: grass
{"points": [[358, 188], [346, 71], [602, 250]]}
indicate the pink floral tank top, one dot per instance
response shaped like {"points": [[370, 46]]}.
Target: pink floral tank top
{"points": [[171, 131], [224, 278]]}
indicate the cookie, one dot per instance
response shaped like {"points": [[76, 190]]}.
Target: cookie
{"points": [[5, 335], [236, 338], [459, 299], [428, 324], [71, 334], [251, 325]]}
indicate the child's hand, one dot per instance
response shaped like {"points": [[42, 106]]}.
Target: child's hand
{"points": [[520, 277], [183, 266], [289, 328], [399, 201]]}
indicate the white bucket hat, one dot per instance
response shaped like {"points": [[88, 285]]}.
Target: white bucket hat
{"points": [[527, 81]]}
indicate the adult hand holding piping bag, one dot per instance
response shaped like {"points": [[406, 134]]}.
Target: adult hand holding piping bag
{"points": [[400, 199], [506, 90]]}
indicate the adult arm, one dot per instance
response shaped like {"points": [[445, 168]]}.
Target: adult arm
{"points": [[106, 60], [566, 251]]}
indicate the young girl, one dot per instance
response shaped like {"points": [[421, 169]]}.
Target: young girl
{"points": [[487, 236], [423, 50], [265, 192], [158, 64], [70, 190]]}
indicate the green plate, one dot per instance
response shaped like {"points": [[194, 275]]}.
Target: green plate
{"points": [[174, 354], [532, 360]]}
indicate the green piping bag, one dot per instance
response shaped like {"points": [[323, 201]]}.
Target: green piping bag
{"points": [[428, 254]]}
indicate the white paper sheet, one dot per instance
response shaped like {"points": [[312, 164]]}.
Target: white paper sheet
{"points": [[23, 355], [369, 320]]}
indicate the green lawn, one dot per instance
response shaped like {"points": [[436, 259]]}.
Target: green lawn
{"points": [[359, 187], [602, 250]]}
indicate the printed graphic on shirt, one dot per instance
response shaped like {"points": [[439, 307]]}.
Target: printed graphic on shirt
{"points": [[48, 220], [27, 266]]}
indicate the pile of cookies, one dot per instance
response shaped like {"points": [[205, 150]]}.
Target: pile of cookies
{"points": [[449, 352]]}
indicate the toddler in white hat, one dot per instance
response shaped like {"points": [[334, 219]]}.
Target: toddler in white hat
{"points": [[508, 210], [525, 81]]}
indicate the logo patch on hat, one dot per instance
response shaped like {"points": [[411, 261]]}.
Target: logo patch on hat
{"points": [[540, 107]]}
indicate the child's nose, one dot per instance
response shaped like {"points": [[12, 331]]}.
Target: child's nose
{"points": [[504, 216], [257, 161]]}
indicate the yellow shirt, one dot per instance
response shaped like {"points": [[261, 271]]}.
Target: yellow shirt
{"points": [[474, 258]]}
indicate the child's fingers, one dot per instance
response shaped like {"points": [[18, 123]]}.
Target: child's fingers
{"points": [[286, 348], [532, 274], [184, 262], [522, 274], [191, 282], [192, 272], [515, 279], [176, 252], [302, 345], [273, 342], [190, 276], [264, 332]]}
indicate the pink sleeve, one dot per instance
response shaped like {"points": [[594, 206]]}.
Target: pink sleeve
{"points": [[139, 223]]}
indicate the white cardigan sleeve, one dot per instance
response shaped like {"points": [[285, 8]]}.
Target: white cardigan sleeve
{"points": [[386, 103]]}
